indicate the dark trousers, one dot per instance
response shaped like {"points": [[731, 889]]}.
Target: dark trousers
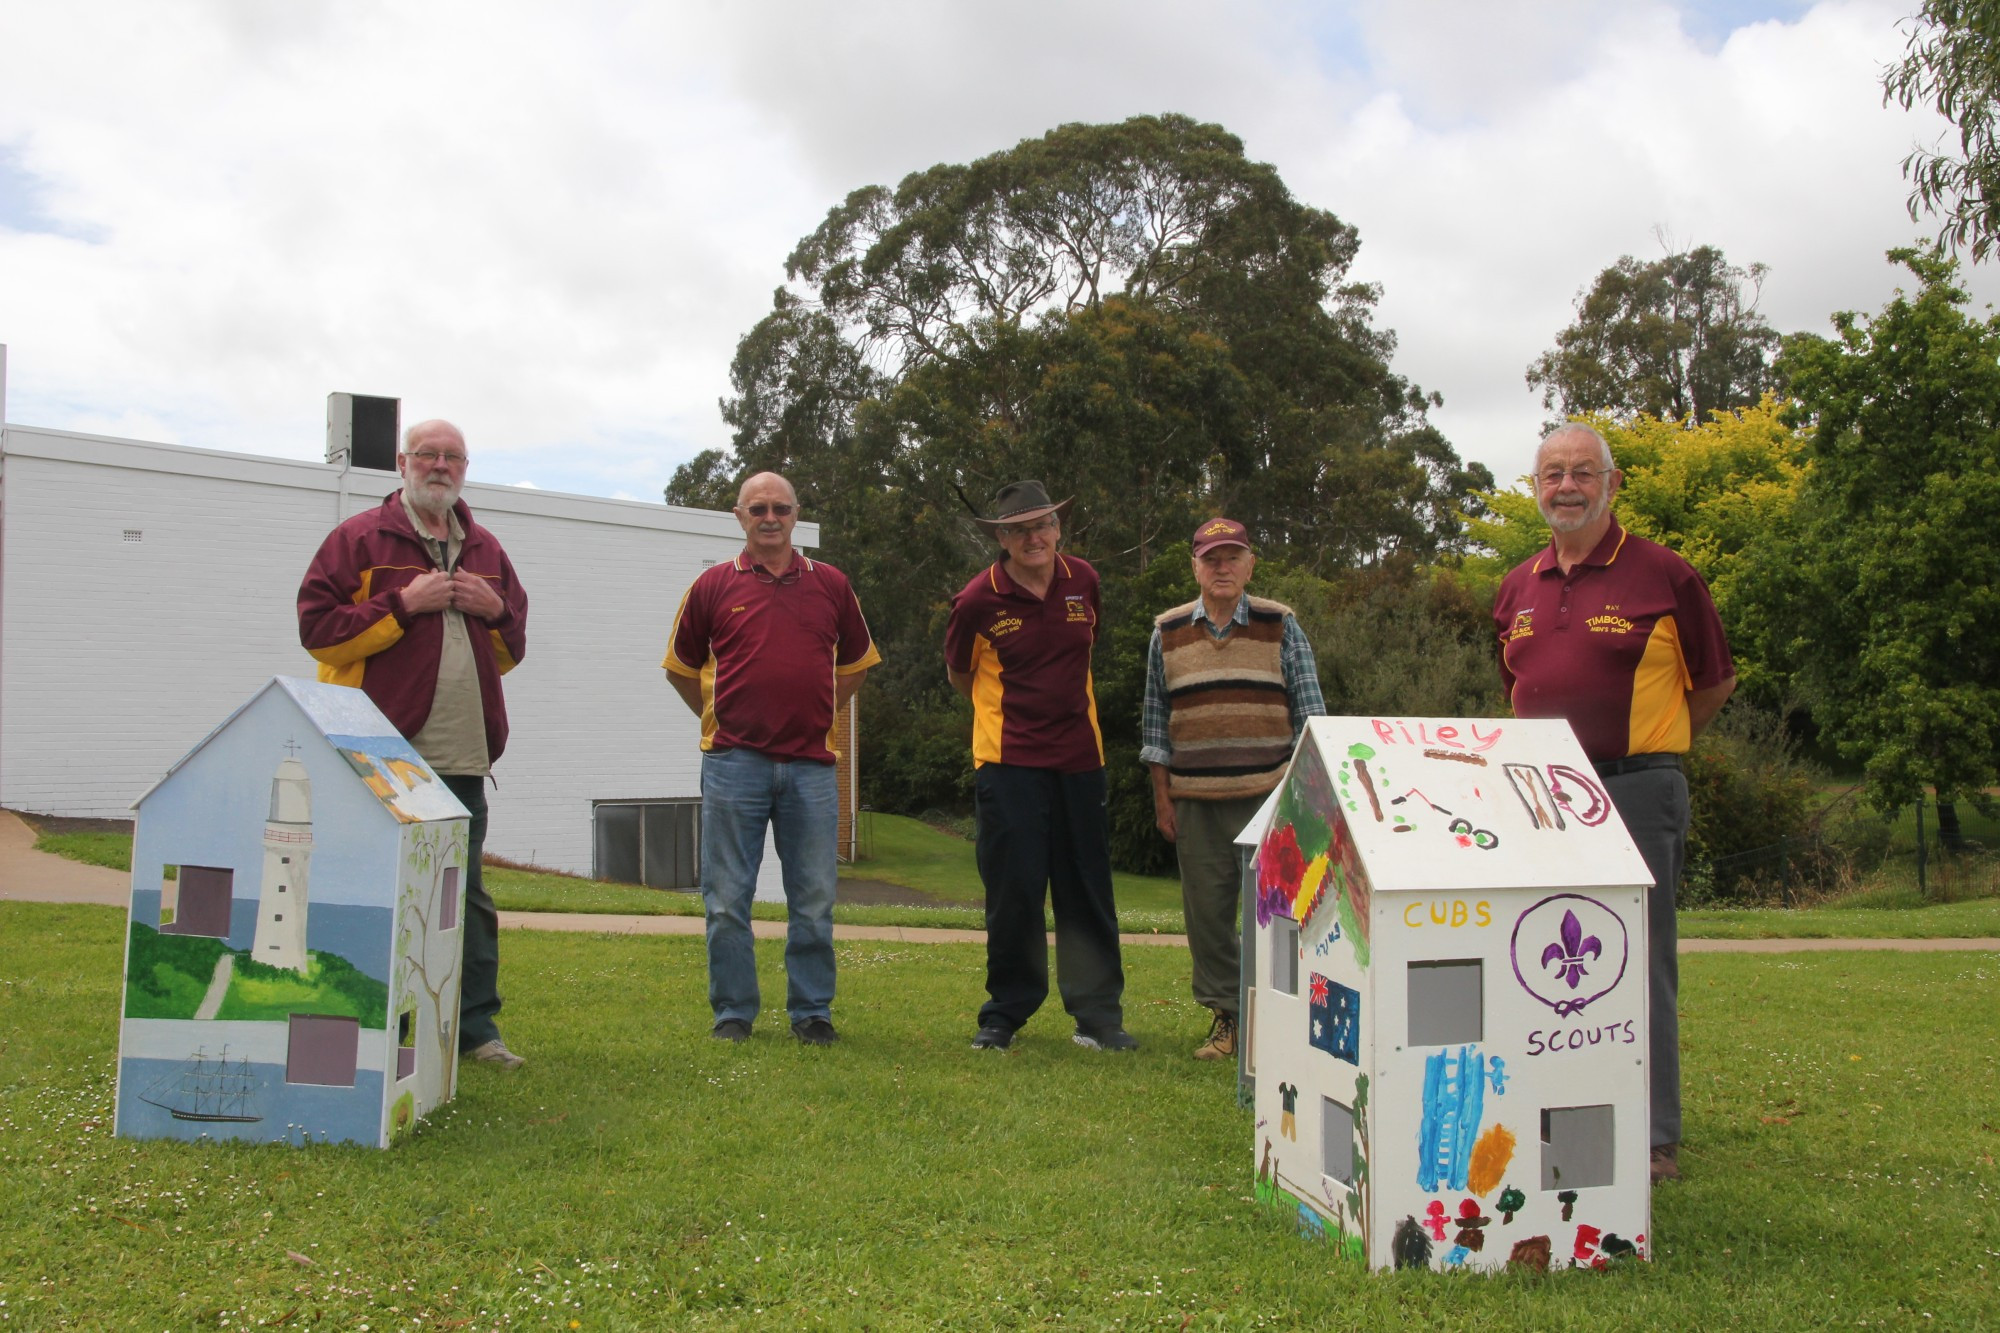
{"points": [[1211, 888], [479, 979], [1653, 802], [1044, 834]]}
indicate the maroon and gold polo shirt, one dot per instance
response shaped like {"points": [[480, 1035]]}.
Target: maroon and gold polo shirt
{"points": [[1029, 659], [766, 651], [1614, 646]]}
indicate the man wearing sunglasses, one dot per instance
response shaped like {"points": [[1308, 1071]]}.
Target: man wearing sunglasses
{"points": [[1018, 645], [418, 606], [1619, 635], [766, 650]]}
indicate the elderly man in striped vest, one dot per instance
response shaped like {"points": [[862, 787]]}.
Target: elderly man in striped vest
{"points": [[1230, 682]]}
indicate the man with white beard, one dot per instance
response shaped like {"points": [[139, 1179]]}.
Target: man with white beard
{"points": [[1619, 636], [417, 605]]}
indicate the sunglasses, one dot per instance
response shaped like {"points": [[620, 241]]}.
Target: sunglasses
{"points": [[759, 510]]}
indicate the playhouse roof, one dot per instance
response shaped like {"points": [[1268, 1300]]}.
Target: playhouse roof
{"points": [[1456, 804], [348, 720]]}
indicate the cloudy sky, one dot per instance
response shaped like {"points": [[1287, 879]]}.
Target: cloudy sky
{"points": [[551, 223]]}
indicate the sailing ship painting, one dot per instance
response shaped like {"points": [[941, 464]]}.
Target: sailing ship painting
{"points": [[207, 1090]]}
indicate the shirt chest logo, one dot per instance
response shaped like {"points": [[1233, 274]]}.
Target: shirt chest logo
{"points": [[1003, 626], [1608, 624], [1523, 626], [1077, 608]]}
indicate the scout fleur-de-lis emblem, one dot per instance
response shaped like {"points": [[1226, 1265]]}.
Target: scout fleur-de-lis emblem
{"points": [[1567, 955]]}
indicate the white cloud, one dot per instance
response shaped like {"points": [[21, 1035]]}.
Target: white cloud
{"points": [[551, 225]]}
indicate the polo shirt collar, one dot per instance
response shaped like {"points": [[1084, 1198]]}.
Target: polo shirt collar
{"points": [[801, 564], [1602, 554], [1240, 616]]}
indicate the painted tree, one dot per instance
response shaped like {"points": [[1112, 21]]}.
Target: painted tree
{"points": [[1952, 63], [430, 957], [1883, 591], [1679, 339]]}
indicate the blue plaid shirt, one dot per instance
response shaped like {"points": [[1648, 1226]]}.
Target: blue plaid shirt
{"points": [[1295, 654]]}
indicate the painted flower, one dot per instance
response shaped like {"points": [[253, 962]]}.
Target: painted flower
{"points": [[1281, 863]]}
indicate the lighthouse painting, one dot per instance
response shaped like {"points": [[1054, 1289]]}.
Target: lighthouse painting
{"points": [[294, 946], [288, 842]]}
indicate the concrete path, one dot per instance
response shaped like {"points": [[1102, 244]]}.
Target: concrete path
{"points": [[27, 875]]}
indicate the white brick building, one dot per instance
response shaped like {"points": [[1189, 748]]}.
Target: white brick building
{"points": [[146, 590]]}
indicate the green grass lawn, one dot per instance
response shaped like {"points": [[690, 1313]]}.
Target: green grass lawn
{"points": [[917, 856], [1843, 1120]]}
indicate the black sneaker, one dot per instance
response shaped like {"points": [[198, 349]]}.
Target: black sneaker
{"points": [[993, 1038], [815, 1031], [1113, 1038], [731, 1029]]}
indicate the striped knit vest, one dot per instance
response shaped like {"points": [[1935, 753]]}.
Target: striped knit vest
{"points": [[1228, 717]]}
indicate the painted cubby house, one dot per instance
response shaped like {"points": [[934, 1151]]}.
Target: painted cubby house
{"points": [[1447, 999], [293, 954]]}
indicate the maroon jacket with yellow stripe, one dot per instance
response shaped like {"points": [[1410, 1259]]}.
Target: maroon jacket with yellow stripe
{"points": [[351, 617]]}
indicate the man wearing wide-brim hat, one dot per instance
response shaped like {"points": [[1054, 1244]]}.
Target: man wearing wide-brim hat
{"points": [[1018, 645]]}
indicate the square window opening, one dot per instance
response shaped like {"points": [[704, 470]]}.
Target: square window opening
{"points": [[1336, 1140], [448, 908], [1285, 956], [1447, 1001], [1577, 1143], [322, 1049], [406, 1043], [196, 900]]}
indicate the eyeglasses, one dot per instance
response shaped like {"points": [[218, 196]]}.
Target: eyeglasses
{"points": [[1041, 529], [430, 457], [1582, 476], [759, 510]]}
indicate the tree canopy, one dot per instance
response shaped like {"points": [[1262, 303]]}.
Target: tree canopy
{"points": [[1138, 315], [1882, 592], [1952, 63], [1139, 301], [1676, 339]]}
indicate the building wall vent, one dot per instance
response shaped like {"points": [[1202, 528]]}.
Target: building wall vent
{"points": [[363, 430]]}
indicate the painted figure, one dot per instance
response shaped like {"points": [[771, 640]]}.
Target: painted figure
{"points": [[418, 605], [1288, 1118], [1619, 636], [766, 650], [1018, 645], [1230, 682]]}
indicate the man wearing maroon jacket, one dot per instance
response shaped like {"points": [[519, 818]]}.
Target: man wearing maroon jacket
{"points": [[1018, 645], [1619, 636], [418, 606], [766, 650]]}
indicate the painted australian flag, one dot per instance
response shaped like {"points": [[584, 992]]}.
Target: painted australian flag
{"points": [[1336, 1019]]}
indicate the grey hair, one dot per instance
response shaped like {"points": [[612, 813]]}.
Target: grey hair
{"points": [[410, 435], [1578, 428]]}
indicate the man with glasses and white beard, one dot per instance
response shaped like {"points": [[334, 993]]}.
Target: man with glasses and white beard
{"points": [[418, 606], [766, 650], [1619, 636]]}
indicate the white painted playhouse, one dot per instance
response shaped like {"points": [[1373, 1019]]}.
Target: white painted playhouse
{"points": [[1446, 1007], [293, 953]]}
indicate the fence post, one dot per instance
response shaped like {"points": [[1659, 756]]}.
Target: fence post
{"points": [[1785, 871], [1922, 890]]}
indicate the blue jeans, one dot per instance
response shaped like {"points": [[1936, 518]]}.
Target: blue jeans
{"points": [[741, 793]]}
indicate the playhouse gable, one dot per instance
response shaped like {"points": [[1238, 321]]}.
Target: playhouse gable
{"points": [[293, 943], [1446, 1025]]}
